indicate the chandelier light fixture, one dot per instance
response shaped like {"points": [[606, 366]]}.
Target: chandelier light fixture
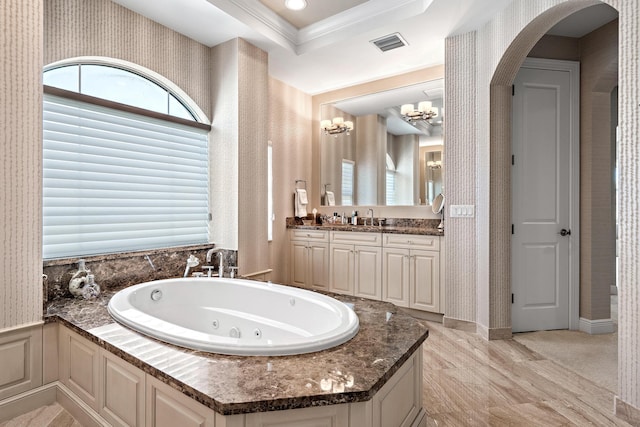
{"points": [[426, 111], [336, 126]]}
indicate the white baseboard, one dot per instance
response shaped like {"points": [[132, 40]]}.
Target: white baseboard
{"points": [[22, 403], [598, 326], [84, 414]]}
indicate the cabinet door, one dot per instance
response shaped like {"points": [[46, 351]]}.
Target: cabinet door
{"points": [[425, 280], [123, 390], [79, 367], [341, 267], [299, 262], [318, 254], [395, 276], [167, 407], [368, 269]]}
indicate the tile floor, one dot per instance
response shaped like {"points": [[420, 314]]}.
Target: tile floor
{"points": [[47, 416], [472, 382]]}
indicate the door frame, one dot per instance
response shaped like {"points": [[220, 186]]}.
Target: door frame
{"points": [[573, 68]]}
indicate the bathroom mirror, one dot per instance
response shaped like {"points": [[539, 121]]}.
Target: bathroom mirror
{"points": [[438, 204], [384, 159]]}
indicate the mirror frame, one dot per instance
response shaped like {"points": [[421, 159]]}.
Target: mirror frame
{"points": [[389, 83], [438, 204]]}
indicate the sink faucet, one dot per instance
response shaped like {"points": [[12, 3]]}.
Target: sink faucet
{"points": [[220, 253], [370, 216]]}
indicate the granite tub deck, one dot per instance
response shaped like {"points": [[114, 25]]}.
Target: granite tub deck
{"points": [[351, 372]]}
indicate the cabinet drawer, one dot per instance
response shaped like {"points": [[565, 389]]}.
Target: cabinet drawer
{"points": [[309, 235], [356, 238], [431, 243]]}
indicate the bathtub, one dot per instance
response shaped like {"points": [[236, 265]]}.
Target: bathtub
{"points": [[235, 316]]}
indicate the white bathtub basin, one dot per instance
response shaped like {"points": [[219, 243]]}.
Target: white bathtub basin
{"points": [[235, 316]]}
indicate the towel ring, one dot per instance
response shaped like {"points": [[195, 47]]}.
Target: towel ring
{"points": [[303, 181]]}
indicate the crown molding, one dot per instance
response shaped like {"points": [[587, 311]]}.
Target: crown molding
{"points": [[351, 22], [262, 19]]}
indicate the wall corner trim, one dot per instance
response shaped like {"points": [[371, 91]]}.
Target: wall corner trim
{"points": [[597, 326], [491, 334]]}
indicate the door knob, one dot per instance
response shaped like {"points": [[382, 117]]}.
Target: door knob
{"points": [[565, 232]]}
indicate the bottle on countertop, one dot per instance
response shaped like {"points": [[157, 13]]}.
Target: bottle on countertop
{"points": [[91, 289], [79, 279], [354, 217]]}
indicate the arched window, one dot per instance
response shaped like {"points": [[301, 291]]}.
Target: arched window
{"points": [[118, 84], [125, 164]]}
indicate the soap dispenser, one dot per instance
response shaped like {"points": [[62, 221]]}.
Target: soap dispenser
{"points": [[79, 279]]}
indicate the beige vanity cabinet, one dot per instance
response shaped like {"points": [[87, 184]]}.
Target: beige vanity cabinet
{"points": [[112, 387], [79, 367], [309, 258], [411, 271], [356, 264], [123, 388], [167, 407]]}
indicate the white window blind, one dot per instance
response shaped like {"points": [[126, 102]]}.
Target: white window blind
{"points": [[115, 181], [347, 182], [391, 188]]}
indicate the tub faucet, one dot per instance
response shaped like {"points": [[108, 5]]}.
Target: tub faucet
{"points": [[220, 253], [192, 261]]}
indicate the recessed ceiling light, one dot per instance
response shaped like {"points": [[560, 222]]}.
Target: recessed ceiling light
{"points": [[295, 4]]}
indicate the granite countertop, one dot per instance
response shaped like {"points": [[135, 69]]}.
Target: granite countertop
{"points": [[389, 229], [351, 372]]}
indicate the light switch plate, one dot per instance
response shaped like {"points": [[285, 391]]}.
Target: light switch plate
{"points": [[462, 211]]}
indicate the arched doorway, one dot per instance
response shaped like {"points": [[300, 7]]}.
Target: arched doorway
{"points": [[499, 197], [480, 69]]}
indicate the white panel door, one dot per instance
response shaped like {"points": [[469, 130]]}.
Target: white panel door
{"points": [[541, 198]]}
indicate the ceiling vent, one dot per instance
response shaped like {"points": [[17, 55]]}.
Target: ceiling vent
{"points": [[389, 42]]}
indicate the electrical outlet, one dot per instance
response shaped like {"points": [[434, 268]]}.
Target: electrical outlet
{"points": [[462, 211]]}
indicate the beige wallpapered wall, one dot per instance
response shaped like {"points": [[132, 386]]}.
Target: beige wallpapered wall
{"points": [[290, 135], [20, 162], [598, 78], [497, 51], [253, 138], [223, 148]]}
